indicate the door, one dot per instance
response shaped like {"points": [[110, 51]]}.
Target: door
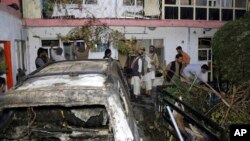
{"points": [[6, 65]]}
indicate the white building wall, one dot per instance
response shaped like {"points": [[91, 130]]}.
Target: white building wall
{"points": [[10, 30], [173, 37]]}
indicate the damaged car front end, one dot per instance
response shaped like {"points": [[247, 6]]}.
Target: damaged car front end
{"points": [[68, 101]]}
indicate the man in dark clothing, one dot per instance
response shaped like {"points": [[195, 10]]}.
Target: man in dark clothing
{"points": [[136, 67], [42, 58], [174, 69]]}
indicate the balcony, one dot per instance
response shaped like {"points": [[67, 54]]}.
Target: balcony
{"points": [[114, 9], [206, 10]]}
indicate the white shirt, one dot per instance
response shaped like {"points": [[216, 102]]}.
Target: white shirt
{"points": [[148, 60], [57, 57], [194, 70], [139, 65]]}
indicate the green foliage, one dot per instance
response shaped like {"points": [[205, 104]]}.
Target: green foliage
{"points": [[193, 96], [231, 49], [3, 65]]}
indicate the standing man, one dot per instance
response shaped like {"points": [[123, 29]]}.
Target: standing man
{"points": [[42, 58], [136, 67], [107, 54], [154, 60], [195, 72], [147, 73], [80, 52], [57, 54], [186, 57], [174, 69]]}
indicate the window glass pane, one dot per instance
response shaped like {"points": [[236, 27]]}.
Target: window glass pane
{"points": [[213, 3], [227, 14], [158, 43], [48, 43], [227, 3], [139, 2], [201, 13], [90, 1], [209, 54], [68, 51], [187, 2], [204, 43], [214, 14], [170, 2], [129, 2], [186, 13], [240, 3], [239, 13], [202, 55], [201, 2], [171, 12], [101, 47], [143, 43]]}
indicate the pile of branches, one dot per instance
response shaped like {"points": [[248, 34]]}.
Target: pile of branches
{"points": [[229, 108], [238, 110]]}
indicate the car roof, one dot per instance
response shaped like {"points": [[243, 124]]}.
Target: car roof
{"points": [[67, 83]]}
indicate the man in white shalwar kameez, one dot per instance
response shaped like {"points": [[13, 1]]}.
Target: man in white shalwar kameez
{"points": [[148, 77]]}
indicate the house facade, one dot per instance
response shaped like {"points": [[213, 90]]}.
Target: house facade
{"points": [[163, 23]]}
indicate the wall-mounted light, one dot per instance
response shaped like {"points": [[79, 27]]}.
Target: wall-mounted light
{"points": [[194, 32]]}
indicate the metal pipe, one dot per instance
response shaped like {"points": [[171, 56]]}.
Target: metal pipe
{"points": [[175, 124]]}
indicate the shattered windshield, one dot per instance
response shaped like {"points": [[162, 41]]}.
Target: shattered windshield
{"points": [[58, 123]]}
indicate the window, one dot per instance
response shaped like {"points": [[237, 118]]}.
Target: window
{"points": [[240, 3], [227, 14], [201, 2], [67, 47], [90, 1], [187, 2], [133, 2], [205, 54], [48, 43], [186, 13], [171, 12], [214, 14], [201, 13], [170, 1], [227, 3]]}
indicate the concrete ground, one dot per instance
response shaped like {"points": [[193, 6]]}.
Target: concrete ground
{"points": [[145, 112]]}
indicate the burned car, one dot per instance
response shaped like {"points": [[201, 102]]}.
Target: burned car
{"points": [[68, 101]]}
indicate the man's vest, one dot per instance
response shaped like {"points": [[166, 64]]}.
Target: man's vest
{"points": [[172, 70]]}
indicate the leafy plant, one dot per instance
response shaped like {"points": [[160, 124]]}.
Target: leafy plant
{"points": [[93, 35], [231, 50], [3, 66]]}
